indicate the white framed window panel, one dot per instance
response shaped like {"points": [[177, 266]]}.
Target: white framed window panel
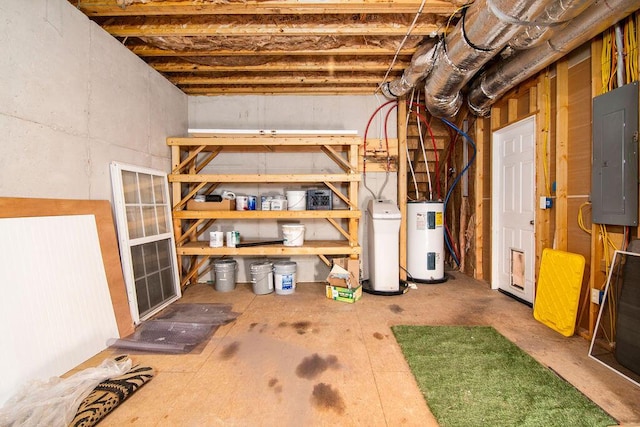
{"points": [[145, 233]]}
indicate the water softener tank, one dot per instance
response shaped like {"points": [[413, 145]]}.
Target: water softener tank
{"points": [[383, 245], [425, 242]]}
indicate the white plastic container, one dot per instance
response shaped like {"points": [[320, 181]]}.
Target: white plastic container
{"points": [[383, 244], [225, 270], [296, 200], [284, 276], [293, 234], [233, 238], [216, 239], [262, 277], [278, 204], [242, 203]]}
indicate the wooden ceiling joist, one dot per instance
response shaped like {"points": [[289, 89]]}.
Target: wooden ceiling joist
{"points": [[276, 80], [280, 90], [271, 47], [149, 51], [253, 29], [288, 64], [96, 8]]}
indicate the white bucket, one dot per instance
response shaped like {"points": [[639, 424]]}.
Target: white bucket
{"points": [[225, 270], [262, 277], [284, 273], [216, 239], [296, 200], [293, 234]]}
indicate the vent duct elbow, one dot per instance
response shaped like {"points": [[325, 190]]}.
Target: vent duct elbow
{"points": [[421, 64]]}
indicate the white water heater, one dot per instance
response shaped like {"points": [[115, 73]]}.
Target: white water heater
{"points": [[425, 242]]}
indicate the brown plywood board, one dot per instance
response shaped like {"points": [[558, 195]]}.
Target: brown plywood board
{"points": [[579, 129], [11, 207]]}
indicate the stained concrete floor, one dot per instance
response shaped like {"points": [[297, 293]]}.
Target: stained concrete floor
{"points": [[305, 360]]}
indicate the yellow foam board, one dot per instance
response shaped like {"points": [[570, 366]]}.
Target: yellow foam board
{"points": [[558, 290]]}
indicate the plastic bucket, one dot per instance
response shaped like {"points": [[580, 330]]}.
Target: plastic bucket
{"points": [[296, 200], [225, 270], [284, 275], [216, 239], [262, 277], [293, 234]]}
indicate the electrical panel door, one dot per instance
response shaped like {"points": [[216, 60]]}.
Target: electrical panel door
{"points": [[614, 183]]}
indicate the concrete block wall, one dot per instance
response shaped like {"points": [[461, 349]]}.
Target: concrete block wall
{"points": [[73, 99], [293, 112]]}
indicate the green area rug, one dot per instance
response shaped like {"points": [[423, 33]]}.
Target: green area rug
{"points": [[473, 376]]}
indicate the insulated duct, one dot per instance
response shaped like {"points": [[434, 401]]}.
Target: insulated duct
{"points": [[421, 64], [484, 30], [498, 79], [459, 58], [556, 15]]}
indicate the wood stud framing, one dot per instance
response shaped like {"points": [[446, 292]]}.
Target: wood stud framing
{"points": [[276, 47]]}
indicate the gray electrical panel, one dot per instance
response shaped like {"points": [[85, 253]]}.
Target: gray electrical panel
{"points": [[614, 179]]}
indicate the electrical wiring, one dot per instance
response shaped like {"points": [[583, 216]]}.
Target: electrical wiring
{"points": [[547, 129], [424, 152], [631, 49], [400, 46], [435, 149], [457, 179], [581, 220], [406, 147]]}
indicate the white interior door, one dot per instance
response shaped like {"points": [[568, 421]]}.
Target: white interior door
{"points": [[513, 209]]}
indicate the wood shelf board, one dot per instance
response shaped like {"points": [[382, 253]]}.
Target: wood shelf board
{"points": [[264, 178], [337, 213], [313, 247], [262, 140], [265, 148]]}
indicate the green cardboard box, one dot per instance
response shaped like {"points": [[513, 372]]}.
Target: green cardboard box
{"points": [[344, 294]]}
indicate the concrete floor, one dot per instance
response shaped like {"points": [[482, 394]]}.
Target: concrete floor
{"points": [[302, 359]]}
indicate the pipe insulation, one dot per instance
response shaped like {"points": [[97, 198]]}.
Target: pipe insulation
{"points": [[556, 15], [485, 28], [421, 64], [494, 82]]}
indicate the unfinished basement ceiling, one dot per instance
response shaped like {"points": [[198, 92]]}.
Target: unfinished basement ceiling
{"points": [[214, 47]]}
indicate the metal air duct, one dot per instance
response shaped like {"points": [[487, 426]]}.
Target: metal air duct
{"points": [[458, 58], [421, 64], [484, 30], [498, 79], [556, 15]]}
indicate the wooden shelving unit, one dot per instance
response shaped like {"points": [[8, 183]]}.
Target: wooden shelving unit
{"points": [[191, 155]]}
